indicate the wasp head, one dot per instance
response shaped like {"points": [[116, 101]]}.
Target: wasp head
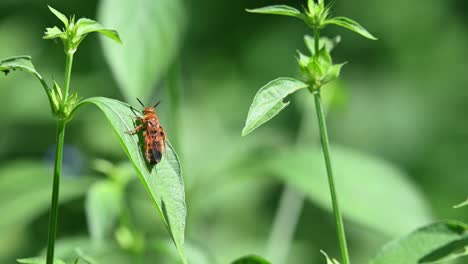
{"points": [[149, 111]]}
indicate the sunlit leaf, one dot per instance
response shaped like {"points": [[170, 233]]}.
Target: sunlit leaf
{"points": [[152, 33], [251, 260], [282, 10], [351, 25], [163, 181], [85, 26], [59, 15], [25, 191], [103, 209], [268, 102], [370, 190], [463, 204], [329, 260], [39, 261], [424, 241]]}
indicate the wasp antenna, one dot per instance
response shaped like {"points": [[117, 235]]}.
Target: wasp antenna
{"points": [[157, 104], [142, 104]]}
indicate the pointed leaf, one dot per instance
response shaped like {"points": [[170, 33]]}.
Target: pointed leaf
{"points": [[152, 33], [360, 178], [22, 63], [463, 204], [416, 245], [268, 102], [163, 181], [329, 260], [351, 25], [60, 16], [252, 259], [86, 26], [282, 10]]}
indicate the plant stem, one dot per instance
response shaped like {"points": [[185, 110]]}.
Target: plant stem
{"points": [[68, 69], [326, 154], [317, 41], [55, 192]]}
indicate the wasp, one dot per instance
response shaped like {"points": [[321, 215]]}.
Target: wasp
{"points": [[153, 133]]}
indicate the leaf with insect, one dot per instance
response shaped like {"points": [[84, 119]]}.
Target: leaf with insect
{"points": [[351, 25], [429, 243], [268, 102], [152, 31], [163, 181], [252, 259]]}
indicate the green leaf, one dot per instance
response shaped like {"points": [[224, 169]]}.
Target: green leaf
{"points": [[351, 25], [453, 250], [463, 204], [268, 102], [54, 32], [39, 261], [370, 190], [252, 259], [84, 26], [419, 244], [282, 10], [152, 31], [329, 260], [163, 181], [25, 191], [60, 16], [103, 209]]}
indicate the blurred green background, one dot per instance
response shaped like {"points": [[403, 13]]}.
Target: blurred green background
{"points": [[397, 119]]}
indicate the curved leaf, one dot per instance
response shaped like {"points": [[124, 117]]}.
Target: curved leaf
{"points": [[268, 102], [329, 260], [25, 191], [163, 181], [251, 260], [85, 26], [152, 32], [59, 15], [282, 10], [462, 204], [370, 190], [103, 209], [414, 247], [351, 25]]}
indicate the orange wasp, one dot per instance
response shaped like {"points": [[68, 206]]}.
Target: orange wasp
{"points": [[153, 132]]}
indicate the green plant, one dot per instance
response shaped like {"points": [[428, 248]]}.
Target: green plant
{"points": [[318, 70], [163, 181]]}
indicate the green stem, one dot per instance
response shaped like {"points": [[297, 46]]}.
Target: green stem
{"points": [[326, 154], [68, 69], [55, 192], [317, 41]]}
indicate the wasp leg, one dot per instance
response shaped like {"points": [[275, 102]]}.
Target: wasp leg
{"points": [[134, 131]]}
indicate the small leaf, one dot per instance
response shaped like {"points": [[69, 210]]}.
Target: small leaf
{"points": [[103, 209], [59, 15], [268, 102], [460, 205], [329, 260], [152, 32], [333, 73], [252, 259], [54, 32], [163, 181], [282, 10], [351, 25], [417, 245], [86, 26], [39, 261]]}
